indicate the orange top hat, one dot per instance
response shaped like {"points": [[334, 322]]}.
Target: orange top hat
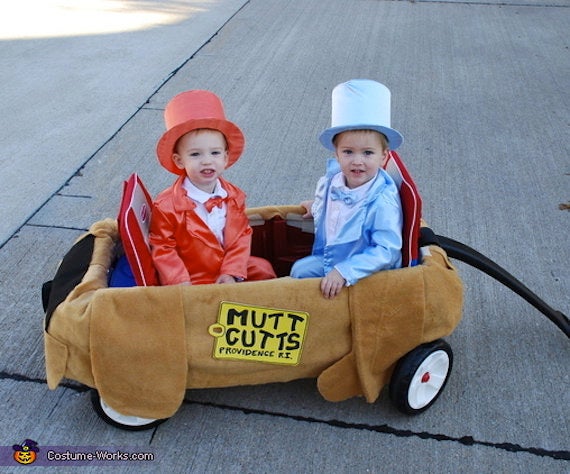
{"points": [[192, 110]]}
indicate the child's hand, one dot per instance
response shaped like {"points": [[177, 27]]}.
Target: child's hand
{"points": [[307, 205], [225, 279], [332, 283]]}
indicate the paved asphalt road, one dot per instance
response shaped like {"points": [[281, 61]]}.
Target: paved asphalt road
{"points": [[480, 92]]}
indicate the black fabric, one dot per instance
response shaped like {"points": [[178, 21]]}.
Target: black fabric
{"points": [[69, 274], [428, 237]]}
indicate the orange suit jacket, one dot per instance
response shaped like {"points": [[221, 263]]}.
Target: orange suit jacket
{"points": [[183, 247]]}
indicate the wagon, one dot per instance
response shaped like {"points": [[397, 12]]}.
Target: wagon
{"points": [[140, 348]]}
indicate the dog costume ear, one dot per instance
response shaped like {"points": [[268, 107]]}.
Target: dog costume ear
{"points": [[410, 306], [138, 355], [384, 328]]}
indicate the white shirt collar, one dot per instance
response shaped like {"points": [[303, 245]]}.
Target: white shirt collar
{"points": [[358, 193], [202, 196]]}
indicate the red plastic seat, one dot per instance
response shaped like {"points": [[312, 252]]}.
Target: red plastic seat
{"points": [[134, 222], [412, 209]]}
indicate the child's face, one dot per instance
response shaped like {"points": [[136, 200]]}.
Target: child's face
{"points": [[360, 155], [203, 155]]}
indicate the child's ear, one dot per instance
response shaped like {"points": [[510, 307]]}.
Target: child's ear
{"points": [[386, 154], [178, 161]]}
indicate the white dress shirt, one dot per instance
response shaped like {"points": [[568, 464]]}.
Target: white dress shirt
{"points": [[338, 211], [216, 219]]}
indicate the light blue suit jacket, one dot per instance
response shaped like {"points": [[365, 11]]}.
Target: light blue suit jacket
{"points": [[371, 240]]}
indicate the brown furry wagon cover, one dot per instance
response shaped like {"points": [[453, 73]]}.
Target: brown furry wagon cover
{"points": [[142, 347]]}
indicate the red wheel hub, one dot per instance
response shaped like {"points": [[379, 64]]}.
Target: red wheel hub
{"points": [[425, 377]]}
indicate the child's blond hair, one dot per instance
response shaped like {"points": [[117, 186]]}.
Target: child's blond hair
{"points": [[364, 131]]}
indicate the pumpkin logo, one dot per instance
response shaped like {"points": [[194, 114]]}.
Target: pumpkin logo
{"points": [[26, 452]]}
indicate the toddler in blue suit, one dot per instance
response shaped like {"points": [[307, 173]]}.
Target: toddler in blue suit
{"points": [[356, 210]]}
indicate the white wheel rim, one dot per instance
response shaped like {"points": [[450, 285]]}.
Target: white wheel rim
{"points": [[127, 420], [428, 379]]}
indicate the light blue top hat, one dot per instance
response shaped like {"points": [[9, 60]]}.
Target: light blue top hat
{"points": [[361, 104]]}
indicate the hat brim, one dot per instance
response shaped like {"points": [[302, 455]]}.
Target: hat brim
{"points": [[395, 138], [165, 146]]}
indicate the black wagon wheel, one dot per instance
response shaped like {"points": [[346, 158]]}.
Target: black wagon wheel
{"points": [[420, 376], [118, 420]]}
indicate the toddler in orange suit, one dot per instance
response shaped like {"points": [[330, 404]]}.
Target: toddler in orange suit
{"points": [[199, 231]]}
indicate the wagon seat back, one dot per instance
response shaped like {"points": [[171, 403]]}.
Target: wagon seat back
{"points": [[412, 209], [134, 223]]}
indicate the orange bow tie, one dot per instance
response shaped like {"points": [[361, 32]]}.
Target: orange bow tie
{"points": [[215, 201]]}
